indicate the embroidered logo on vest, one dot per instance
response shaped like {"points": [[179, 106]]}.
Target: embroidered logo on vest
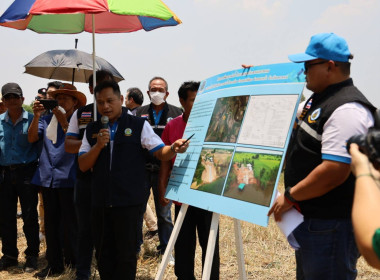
{"points": [[128, 132], [315, 115]]}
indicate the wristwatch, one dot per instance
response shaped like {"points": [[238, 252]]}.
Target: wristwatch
{"points": [[288, 196]]}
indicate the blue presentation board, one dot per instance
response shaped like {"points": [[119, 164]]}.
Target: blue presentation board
{"points": [[242, 122]]}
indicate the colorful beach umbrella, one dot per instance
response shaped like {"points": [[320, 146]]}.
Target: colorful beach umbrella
{"points": [[75, 16], [95, 16]]}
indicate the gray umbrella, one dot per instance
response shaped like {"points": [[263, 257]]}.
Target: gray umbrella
{"points": [[68, 65]]}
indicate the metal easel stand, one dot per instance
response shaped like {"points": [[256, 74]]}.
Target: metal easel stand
{"points": [[210, 245], [172, 240]]}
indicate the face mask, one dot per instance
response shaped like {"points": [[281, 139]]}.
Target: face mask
{"points": [[157, 97]]}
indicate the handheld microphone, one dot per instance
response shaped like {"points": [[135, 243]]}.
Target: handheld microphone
{"points": [[104, 120]]}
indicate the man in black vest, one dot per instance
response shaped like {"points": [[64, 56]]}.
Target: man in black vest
{"points": [[158, 113], [116, 155], [82, 189], [318, 179]]}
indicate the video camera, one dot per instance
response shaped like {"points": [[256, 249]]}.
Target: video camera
{"points": [[369, 144]]}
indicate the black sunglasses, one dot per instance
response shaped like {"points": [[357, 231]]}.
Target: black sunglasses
{"points": [[307, 66]]}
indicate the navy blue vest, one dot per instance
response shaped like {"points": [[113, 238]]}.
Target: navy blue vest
{"points": [[169, 112], [123, 184], [305, 153]]}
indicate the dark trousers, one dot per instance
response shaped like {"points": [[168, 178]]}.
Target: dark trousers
{"points": [[327, 250], [16, 184], [115, 239], [140, 239], [60, 221], [196, 219], [82, 202], [163, 213]]}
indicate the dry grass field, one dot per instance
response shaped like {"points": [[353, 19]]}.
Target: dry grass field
{"points": [[266, 252]]}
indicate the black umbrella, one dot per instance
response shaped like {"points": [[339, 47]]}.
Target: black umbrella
{"points": [[68, 65]]}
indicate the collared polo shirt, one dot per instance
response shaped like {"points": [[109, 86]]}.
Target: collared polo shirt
{"points": [[173, 131], [14, 145], [149, 140], [57, 168]]}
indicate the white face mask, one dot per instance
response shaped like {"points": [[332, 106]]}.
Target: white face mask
{"points": [[157, 97]]}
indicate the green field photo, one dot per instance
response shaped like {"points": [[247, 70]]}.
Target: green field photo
{"points": [[252, 177]]}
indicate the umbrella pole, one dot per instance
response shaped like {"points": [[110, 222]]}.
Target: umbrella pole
{"points": [[93, 65], [72, 80]]}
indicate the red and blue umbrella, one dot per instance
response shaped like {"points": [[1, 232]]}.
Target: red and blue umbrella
{"points": [[75, 16], [95, 16]]}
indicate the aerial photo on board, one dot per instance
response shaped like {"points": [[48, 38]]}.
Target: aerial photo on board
{"points": [[211, 170], [252, 177], [226, 119]]}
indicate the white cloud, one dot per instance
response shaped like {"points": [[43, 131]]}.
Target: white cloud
{"points": [[265, 8], [358, 22], [357, 15]]}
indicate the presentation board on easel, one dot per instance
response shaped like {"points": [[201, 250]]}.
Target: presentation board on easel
{"points": [[241, 121]]}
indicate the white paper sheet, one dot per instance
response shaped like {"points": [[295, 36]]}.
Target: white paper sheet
{"points": [[290, 221]]}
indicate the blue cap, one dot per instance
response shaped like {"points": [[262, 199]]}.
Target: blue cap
{"points": [[327, 46]]}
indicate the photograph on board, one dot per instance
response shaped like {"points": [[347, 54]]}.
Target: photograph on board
{"points": [[252, 176], [226, 119], [211, 170]]}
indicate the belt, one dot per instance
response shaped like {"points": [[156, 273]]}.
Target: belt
{"points": [[14, 167]]}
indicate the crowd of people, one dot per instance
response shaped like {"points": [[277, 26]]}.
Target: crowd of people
{"points": [[54, 152], [95, 175]]}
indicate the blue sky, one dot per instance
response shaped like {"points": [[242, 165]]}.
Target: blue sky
{"points": [[216, 36]]}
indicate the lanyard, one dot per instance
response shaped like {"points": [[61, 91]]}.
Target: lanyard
{"points": [[157, 117]]}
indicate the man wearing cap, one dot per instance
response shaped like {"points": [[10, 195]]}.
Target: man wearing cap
{"points": [[318, 179], [41, 94], [18, 160], [56, 174]]}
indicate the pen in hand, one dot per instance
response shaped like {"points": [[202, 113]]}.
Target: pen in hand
{"points": [[187, 140]]}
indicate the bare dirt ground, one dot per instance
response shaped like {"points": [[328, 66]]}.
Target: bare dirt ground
{"points": [[266, 252]]}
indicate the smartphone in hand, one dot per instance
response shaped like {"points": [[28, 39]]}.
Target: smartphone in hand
{"points": [[49, 104]]}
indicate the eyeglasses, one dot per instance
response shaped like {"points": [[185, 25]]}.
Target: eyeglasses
{"points": [[307, 66], [11, 96]]}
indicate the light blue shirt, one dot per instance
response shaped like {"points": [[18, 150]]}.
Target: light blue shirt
{"points": [[14, 145], [56, 169]]}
